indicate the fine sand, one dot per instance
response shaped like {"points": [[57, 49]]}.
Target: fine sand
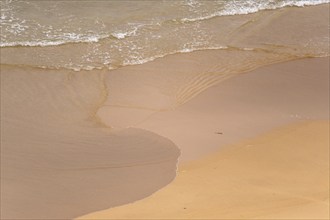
{"points": [[241, 107], [279, 175], [272, 128], [58, 162]]}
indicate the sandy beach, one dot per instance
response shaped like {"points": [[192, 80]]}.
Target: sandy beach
{"points": [[273, 162], [183, 109]]}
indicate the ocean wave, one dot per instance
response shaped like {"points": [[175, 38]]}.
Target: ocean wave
{"points": [[66, 38], [50, 38], [249, 7], [45, 43], [85, 39]]}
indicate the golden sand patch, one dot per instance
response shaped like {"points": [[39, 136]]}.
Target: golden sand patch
{"points": [[281, 174]]}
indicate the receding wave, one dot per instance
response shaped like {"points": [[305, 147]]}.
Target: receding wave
{"points": [[70, 38], [44, 43], [247, 7], [49, 36]]}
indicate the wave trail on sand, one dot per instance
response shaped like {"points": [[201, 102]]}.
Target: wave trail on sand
{"points": [[58, 161]]}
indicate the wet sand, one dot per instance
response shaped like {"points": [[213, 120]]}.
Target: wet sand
{"points": [[58, 161], [273, 160], [241, 107]]}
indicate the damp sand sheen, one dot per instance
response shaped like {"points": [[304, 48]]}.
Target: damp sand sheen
{"points": [[213, 110]]}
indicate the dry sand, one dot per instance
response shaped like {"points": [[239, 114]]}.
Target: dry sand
{"points": [[279, 174]]}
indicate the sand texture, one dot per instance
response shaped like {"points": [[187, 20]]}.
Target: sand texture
{"points": [[55, 154], [283, 174], [244, 106]]}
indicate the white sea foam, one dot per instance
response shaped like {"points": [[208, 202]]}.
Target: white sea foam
{"points": [[124, 34], [128, 39], [119, 35], [13, 25], [242, 7], [67, 38], [139, 60]]}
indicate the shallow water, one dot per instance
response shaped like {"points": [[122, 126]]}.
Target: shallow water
{"points": [[111, 34]]}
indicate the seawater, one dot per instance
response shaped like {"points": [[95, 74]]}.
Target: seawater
{"points": [[110, 34]]}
